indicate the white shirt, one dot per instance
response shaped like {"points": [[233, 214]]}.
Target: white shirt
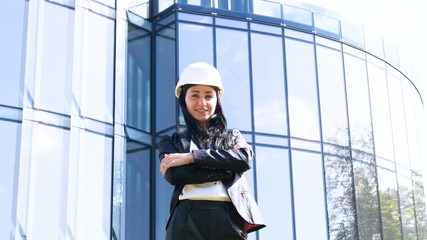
{"points": [[213, 191]]}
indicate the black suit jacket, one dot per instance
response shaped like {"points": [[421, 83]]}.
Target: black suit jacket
{"points": [[210, 165]]}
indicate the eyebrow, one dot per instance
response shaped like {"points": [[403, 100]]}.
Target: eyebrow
{"points": [[197, 91]]}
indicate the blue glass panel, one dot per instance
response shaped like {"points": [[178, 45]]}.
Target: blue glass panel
{"points": [[165, 79], [269, 99], [195, 44], [380, 112], [332, 96], [138, 79], [137, 195], [233, 65], [231, 23], [302, 90], [13, 21], [327, 26], [9, 149], [358, 104], [97, 76], [309, 196], [163, 195], [298, 17], [273, 170], [49, 171]]}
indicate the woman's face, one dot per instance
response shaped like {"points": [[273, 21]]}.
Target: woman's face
{"points": [[201, 103]]}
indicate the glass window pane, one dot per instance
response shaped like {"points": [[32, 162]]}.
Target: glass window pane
{"points": [[302, 90], [94, 186], [49, 182], [389, 205], [407, 211], [13, 21], [195, 44], [269, 99], [380, 112], [365, 185], [398, 121], [163, 196], [411, 123], [267, 8], [9, 148], [277, 216], [57, 58], [374, 42], [166, 79], [138, 79], [332, 96], [328, 26], [340, 198], [358, 103], [233, 65], [137, 194], [420, 207], [309, 196], [97, 67], [352, 33], [298, 17]]}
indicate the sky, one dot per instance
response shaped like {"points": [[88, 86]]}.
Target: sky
{"points": [[403, 22]]}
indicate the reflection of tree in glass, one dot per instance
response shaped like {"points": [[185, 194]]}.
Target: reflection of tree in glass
{"points": [[420, 209], [341, 211], [366, 201], [342, 190], [390, 214]]}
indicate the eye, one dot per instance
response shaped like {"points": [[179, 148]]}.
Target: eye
{"points": [[195, 96], [209, 96]]}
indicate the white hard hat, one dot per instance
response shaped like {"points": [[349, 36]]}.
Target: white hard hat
{"points": [[199, 73]]}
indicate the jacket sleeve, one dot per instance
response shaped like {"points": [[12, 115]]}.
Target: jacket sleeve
{"points": [[236, 160], [187, 174]]}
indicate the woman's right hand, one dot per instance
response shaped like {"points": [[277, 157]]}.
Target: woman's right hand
{"points": [[175, 160]]}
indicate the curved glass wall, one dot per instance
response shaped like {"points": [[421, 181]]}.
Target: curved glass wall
{"points": [[336, 120], [335, 124]]}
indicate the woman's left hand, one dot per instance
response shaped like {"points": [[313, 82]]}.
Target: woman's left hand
{"points": [[175, 160]]}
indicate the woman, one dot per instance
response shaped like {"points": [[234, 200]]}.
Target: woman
{"points": [[205, 163]]}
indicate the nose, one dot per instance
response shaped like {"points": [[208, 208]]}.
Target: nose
{"points": [[202, 101]]}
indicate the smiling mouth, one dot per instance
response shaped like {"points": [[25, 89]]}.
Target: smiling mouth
{"points": [[201, 111]]}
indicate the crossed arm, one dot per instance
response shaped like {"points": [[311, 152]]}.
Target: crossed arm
{"points": [[205, 165]]}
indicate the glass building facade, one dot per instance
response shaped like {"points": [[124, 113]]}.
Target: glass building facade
{"points": [[87, 89]]}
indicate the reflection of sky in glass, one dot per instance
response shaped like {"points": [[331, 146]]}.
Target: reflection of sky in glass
{"points": [[12, 42], [274, 192], [411, 125], [9, 141], [97, 67], [233, 65], [309, 198], [358, 103], [398, 121], [303, 105], [165, 83], [56, 55], [195, 44], [49, 181], [269, 99], [332, 98], [380, 112]]}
